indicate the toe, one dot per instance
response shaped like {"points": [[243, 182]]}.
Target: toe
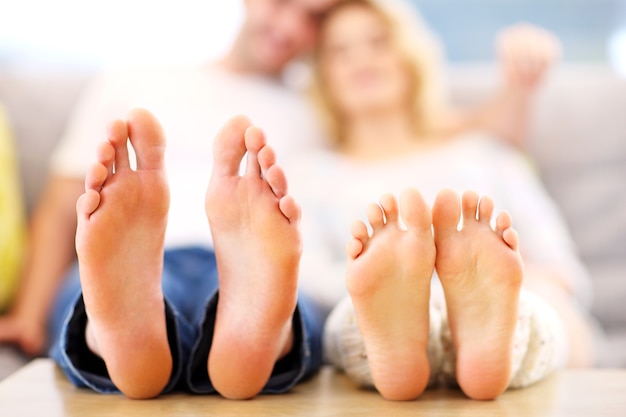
{"points": [[504, 228], [254, 141], [277, 180], [358, 230], [354, 248], [389, 204], [118, 138], [96, 176], [503, 222], [511, 238], [375, 216], [106, 156], [87, 204], [485, 209], [414, 210], [229, 147], [147, 139], [290, 208], [470, 205], [360, 237], [267, 158], [446, 214]]}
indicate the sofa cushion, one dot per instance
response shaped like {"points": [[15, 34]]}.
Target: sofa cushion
{"points": [[39, 98], [579, 143]]}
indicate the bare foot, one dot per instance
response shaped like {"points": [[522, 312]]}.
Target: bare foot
{"points": [[481, 273], [121, 227], [388, 280], [255, 229]]}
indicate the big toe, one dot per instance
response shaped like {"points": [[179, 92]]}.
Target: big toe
{"points": [[147, 139], [229, 146], [414, 210], [446, 214]]}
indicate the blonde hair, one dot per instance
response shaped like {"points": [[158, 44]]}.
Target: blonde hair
{"points": [[417, 46]]}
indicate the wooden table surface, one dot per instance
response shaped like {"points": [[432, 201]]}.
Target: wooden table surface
{"points": [[40, 389]]}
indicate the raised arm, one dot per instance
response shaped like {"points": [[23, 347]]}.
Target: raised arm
{"points": [[526, 53]]}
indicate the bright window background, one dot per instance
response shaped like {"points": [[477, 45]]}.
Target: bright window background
{"points": [[118, 32], [129, 32]]}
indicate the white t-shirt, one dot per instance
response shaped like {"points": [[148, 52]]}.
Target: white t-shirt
{"points": [[335, 190], [192, 104]]}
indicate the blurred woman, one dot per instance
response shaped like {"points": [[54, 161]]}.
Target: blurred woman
{"points": [[378, 88]]}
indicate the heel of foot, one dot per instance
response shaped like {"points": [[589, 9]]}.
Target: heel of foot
{"points": [[483, 377], [405, 382], [140, 366], [238, 369]]}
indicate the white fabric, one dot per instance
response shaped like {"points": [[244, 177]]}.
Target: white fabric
{"points": [[335, 190], [344, 347], [192, 104], [539, 344]]}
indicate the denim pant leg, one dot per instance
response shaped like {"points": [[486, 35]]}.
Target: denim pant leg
{"points": [[190, 288], [304, 360], [185, 291]]}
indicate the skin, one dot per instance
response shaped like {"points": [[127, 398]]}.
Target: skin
{"points": [[388, 279], [251, 214], [481, 272], [526, 54], [356, 68], [274, 33], [121, 273], [268, 40], [359, 63], [368, 82]]}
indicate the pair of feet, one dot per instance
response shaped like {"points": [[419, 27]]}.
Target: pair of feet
{"points": [[389, 277], [122, 218]]}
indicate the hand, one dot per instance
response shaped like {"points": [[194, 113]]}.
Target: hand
{"points": [[16, 330], [527, 53]]}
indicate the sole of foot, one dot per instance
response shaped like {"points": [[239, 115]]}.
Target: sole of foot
{"points": [[122, 218], [481, 273], [255, 229], [388, 279]]}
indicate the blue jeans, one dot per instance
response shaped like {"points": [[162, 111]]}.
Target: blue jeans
{"points": [[190, 288]]}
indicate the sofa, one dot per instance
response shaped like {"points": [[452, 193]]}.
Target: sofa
{"points": [[578, 142]]}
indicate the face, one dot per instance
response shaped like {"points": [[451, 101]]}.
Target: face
{"points": [[363, 70], [279, 30]]}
